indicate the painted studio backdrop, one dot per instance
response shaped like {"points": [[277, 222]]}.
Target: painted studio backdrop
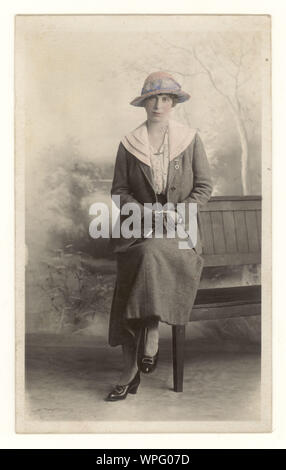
{"points": [[79, 77]]}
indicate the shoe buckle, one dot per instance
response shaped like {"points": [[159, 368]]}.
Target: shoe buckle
{"points": [[147, 360]]}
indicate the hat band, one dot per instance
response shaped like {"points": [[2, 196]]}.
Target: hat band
{"points": [[160, 85]]}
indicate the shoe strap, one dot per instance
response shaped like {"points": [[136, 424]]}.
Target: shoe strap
{"points": [[148, 360], [120, 388]]}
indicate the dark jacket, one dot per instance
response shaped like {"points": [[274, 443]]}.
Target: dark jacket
{"points": [[189, 178]]}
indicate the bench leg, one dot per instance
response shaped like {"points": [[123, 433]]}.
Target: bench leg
{"points": [[141, 346], [178, 334]]}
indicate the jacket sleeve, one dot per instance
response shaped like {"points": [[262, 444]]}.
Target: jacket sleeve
{"points": [[202, 187], [120, 184]]}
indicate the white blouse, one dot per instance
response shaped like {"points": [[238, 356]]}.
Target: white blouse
{"points": [[160, 165]]}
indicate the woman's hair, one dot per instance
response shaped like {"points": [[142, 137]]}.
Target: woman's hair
{"points": [[174, 99]]}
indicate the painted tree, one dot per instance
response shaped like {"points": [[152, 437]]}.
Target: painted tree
{"points": [[229, 65]]}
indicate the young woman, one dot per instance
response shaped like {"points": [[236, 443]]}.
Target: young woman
{"points": [[161, 161]]}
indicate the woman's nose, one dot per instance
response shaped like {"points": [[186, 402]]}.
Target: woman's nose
{"points": [[158, 103]]}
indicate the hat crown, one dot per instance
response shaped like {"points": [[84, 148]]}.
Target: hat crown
{"points": [[160, 81]]}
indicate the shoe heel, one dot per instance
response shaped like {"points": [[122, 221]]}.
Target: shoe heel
{"points": [[133, 389]]}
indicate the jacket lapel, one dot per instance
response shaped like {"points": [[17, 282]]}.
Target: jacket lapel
{"points": [[180, 137], [137, 143], [147, 173]]}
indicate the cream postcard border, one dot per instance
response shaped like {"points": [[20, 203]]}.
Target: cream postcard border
{"points": [[23, 425]]}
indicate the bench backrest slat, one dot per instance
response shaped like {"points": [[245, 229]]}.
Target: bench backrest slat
{"points": [[231, 230]]}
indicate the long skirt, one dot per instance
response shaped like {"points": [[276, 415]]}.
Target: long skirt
{"points": [[155, 280]]}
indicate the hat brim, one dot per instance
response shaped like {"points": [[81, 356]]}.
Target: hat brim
{"points": [[181, 96]]}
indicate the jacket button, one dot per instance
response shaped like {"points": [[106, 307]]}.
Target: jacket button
{"points": [[173, 188]]}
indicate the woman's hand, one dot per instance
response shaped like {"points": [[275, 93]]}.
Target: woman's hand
{"points": [[170, 218], [175, 217]]}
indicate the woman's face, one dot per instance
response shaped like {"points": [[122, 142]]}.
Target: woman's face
{"points": [[158, 107]]}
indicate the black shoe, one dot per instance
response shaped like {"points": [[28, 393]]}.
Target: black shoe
{"points": [[120, 392], [149, 363]]}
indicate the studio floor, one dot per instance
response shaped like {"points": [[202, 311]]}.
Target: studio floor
{"points": [[68, 377]]}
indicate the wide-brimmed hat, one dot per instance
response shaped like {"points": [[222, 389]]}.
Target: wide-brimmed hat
{"points": [[160, 83]]}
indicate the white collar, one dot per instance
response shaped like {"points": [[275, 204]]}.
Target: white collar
{"points": [[137, 141]]}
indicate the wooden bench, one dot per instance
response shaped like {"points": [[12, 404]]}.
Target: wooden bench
{"points": [[231, 235]]}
